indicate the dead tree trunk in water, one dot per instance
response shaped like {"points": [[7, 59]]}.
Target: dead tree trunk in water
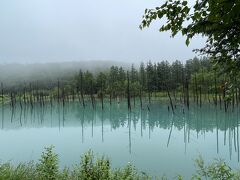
{"points": [[187, 93], [31, 99], [233, 99], [73, 95], [102, 94], [215, 87], [63, 97], [102, 100], [92, 96], [24, 94], [128, 93], [110, 97], [140, 97], [202, 86], [93, 101], [200, 95], [58, 91], [238, 96], [170, 99], [134, 99], [149, 97], [196, 87], [78, 96], [83, 102], [12, 102], [20, 100], [2, 93], [236, 91], [183, 87], [220, 101], [81, 86], [224, 97]]}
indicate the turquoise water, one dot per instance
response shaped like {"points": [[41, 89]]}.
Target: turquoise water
{"points": [[153, 139]]}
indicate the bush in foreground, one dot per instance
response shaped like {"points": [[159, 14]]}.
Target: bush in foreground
{"points": [[91, 168]]}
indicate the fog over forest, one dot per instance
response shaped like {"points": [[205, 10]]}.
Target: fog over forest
{"points": [[14, 74]]}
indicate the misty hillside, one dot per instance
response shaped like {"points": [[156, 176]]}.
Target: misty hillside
{"points": [[14, 74]]}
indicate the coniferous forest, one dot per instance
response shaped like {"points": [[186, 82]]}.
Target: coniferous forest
{"points": [[195, 81]]}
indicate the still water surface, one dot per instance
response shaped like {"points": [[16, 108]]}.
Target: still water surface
{"points": [[155, 141]]}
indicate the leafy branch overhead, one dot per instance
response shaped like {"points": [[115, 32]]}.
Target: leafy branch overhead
{"points": [[217, 20]]}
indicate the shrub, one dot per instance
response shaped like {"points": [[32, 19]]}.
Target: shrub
{"points": [[91, 168], [218, 170], [48, 167]]}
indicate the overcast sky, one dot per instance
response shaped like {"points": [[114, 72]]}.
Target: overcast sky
{"points": [[74, 30]]}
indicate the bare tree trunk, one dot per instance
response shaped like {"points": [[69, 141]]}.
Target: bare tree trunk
{"points": [[2, 93], [140, 97], [128, 93], [215, 87], [170, 99]]}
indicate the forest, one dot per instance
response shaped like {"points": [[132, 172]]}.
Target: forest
{"points": [[195, 81]]}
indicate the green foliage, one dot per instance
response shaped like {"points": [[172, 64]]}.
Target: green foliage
{"points": [[92, 168], [21, 171], [130, 173], [151, 77], [100, 169], [217, 20], [89, 82], [89, 169], [142, 76], [48, 165], [216, 170]]}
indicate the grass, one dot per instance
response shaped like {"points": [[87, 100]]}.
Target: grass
{"points": [[92, 168]]}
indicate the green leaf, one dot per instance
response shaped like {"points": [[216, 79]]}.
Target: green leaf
{"points": [[184, 3], [187, 41]]}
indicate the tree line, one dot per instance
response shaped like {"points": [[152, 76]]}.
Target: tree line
{"points": [[195, 80]]}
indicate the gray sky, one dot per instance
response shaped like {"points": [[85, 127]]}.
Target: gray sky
{"points": [[74, 30]]}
